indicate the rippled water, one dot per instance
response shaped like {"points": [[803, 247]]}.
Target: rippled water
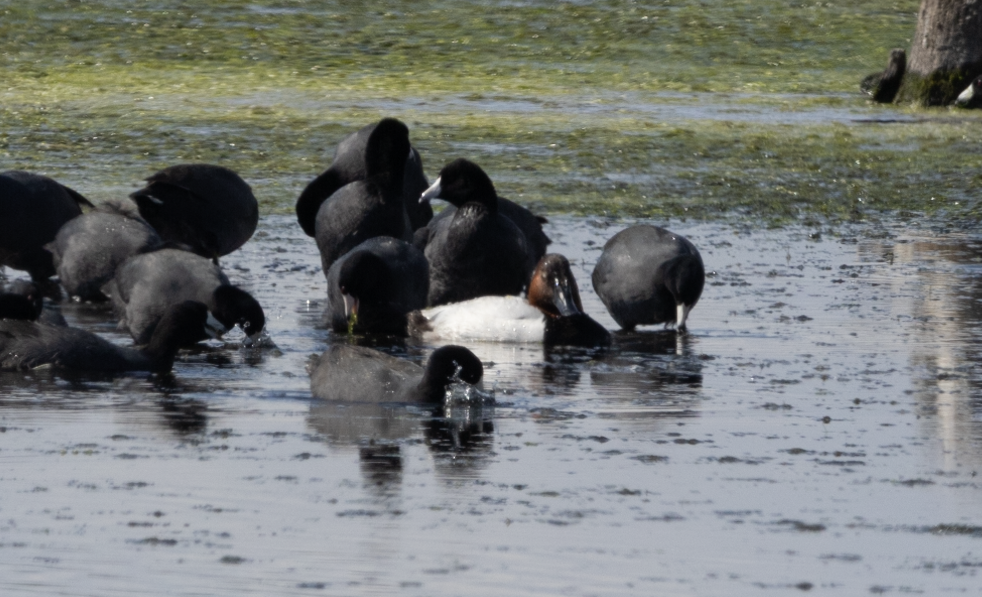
{"points": [[818, 429]]}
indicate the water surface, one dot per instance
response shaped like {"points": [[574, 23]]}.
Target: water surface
{"points": [[818, 429]]}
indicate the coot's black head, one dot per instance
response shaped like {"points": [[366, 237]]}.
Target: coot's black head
{"points": [[898, 60], [15, 306], [684, 277], [363, 276], [553, 288], [448, 364], [462, 181], [387, 150], [30, 292], [236, 306]]}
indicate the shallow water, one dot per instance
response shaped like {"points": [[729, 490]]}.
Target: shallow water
{"points": [[818, 429]]}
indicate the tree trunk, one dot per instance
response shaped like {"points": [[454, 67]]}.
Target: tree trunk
{"points": [[946, 53]]}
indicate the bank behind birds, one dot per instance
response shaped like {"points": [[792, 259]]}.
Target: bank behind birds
{"points": [[552, 314], [357, 374], [649, 275]]}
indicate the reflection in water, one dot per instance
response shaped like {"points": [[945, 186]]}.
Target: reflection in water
{"points": [[946, 303], [460, 436], [184, 416]]}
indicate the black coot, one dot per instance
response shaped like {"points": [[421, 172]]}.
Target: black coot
{"points": [[207, 208], [883, 86], [477, 251], [26, 344], [349, 165], [89, 248], [147, 285], [32, 210], [648, 275], [357, 374], [375, 285], [371, 207]]}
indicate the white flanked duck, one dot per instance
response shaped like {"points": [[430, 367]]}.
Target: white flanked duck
{"points": [[552, 314]]}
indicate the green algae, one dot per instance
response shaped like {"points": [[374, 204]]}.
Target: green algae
{"points": [[591, 108]]}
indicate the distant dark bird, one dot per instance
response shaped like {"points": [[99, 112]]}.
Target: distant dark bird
{"points": [[147, 285], [26, 345], [648, 275], [370, 207], [972, 96], [207, 208], [88, 249], [32, 210], [477, 251], [357, 374], [553, 314], [375, 285], [530, 224], [350, 165], [883, 86]]}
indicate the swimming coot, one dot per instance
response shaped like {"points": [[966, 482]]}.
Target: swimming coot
{"points": [[552, 314], [883, 86], [648, 275], [371, 207], [146, 285], [972, 96], [349, 165], [32, 210], [477, 251], [207, 208], [357, 374], [88, 249], [26, 344], [375, 285]]}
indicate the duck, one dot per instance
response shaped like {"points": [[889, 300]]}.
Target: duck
{"points": [[349, 165], [552, 314], [88, 249], [33, 208], [649, 275], [476, 251], [972, 96], [358, 374], [146, 285], [371, 207], [883, 86], [536, 240], [205, 207], [27, 344], [374, 286]]}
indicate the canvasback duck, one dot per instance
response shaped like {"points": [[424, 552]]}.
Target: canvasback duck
{"points": [[552, 314]]}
